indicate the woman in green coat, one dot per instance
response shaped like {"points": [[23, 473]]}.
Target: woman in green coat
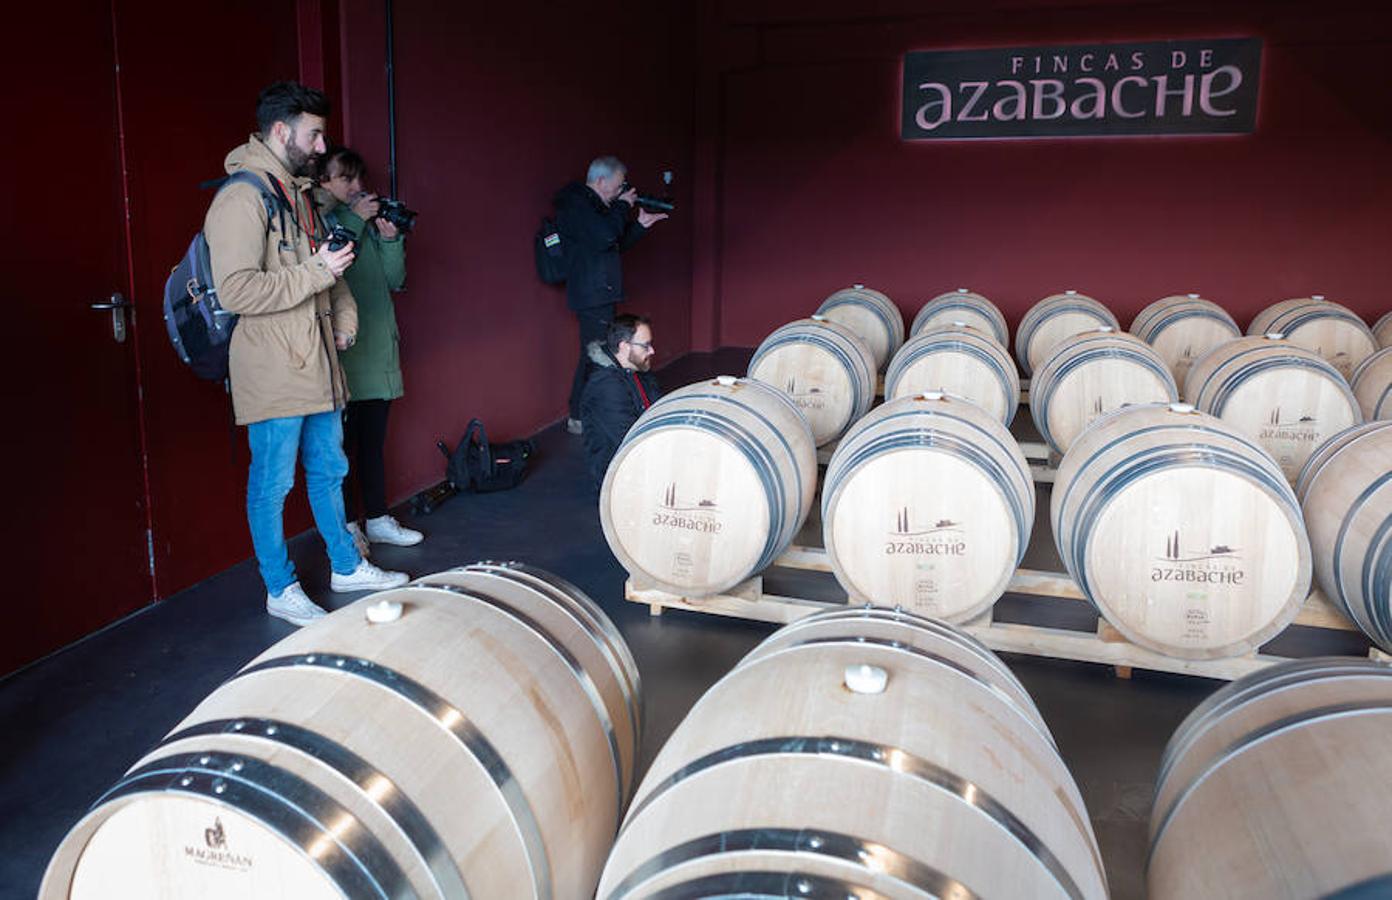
{"points": [[372, 364]]}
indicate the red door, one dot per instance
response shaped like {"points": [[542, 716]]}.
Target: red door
{"points": [[77, 549]]}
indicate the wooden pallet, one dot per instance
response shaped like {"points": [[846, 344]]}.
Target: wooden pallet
{"points": [[1104, 645]]}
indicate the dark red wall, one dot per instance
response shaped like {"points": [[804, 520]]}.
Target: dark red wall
{"points": [[813, 189], [497, 107]]}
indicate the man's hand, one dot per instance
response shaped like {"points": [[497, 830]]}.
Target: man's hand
{"points": [[365, 206], [336, 261], [648, 219], [386, 229], [630, 196], [342, 341]]}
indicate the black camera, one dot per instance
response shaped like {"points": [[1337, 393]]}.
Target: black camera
{"points": [[650, 203], [339, 238], [395, 212]]}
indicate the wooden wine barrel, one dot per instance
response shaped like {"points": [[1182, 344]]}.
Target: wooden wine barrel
{"points": [[481, 744], [1183, 328], [1330, 330], [1054, 318], [870, 314], [1346, 492], [1091, 374], [1372, 385], [825, 368], [1382, 331], [709, 487], [1272, 787], [1287, 398], [1182, 532], [956, 359], [927, 504], [859, 753], [967, 307]]}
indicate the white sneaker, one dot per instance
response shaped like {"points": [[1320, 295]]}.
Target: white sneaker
{"points": [[293, 606], [386, 530], [575, 426], [359, 539], [367, 577]]}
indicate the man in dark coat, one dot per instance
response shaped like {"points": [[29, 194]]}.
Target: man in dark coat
{"points": [[596, 225], [618, 389]]}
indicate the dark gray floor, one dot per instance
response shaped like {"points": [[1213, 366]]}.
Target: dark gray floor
{"points": [[74, 722]]}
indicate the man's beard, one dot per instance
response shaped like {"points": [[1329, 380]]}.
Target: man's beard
{"points": [[640, 365], [299, 162]]}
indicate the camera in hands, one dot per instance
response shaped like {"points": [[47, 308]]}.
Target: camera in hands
{"points": [[339, 238], [397, 213], [651, 203]]}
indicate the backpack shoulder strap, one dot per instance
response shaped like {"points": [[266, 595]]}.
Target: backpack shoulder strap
{"points": [[272, 197]]}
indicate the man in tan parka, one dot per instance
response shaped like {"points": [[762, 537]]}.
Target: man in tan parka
{"points": [[296, 311]]}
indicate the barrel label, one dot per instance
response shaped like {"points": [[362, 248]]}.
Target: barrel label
{"points": [[1304, 429], [686, 515], [945, 538], [1219, 564], [215, 851], [811, 398]]}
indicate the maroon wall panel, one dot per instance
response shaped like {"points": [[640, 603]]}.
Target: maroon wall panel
{"points": [[182, 115], [816, 190], [497, 107]]}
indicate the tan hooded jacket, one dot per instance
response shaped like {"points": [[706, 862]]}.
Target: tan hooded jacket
{"points": [[283, 361]]}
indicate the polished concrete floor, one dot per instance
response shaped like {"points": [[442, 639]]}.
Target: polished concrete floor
{"points": [[74, 722]]}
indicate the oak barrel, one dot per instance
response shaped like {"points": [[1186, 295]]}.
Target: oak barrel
{"points": [[825, 368], [862, 753], [927, 504], [1372, 385], [1182, 531], [870, 314], [1182, 328], [1273, 787], [1346, 493], [1287, 398], [956, 358], [1091, 374], [481, 743], [963, 306], [1331, 330], [1382, 330], [1054, 318], [709, 487]]}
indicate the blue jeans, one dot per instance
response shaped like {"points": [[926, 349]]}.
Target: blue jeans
{"points": [[275, 443]]}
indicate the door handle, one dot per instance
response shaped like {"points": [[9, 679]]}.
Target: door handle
{"points": [[117, 305]]}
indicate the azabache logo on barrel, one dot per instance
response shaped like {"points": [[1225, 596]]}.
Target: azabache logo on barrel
{"points": [[811, 398], [675, 512], [944, 538], [1303, 428], [1219, 564]]}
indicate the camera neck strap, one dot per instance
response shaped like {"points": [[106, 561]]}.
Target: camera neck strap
{"points": [[307, 224]]}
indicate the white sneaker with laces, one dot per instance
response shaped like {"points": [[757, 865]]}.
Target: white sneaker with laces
{"points": [[367, 577], [386, 530], [359, 539], [293, 606]]}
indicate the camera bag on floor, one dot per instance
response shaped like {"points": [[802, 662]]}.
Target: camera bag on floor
{"points": [[475, 465], [199, 327]]}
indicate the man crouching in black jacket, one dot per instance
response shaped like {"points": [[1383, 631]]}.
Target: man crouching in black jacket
{"points": [[618, 389]]}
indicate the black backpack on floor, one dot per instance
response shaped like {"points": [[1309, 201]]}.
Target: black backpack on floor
{"points": [[475, 465]]}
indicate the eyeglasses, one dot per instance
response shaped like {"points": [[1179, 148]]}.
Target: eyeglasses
{"points": [[646, 345]]}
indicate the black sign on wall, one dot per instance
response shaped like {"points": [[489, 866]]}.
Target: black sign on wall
{"points": [[1157, 87]]}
